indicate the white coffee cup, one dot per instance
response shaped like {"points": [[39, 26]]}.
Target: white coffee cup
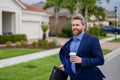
{"points": [[72, 54]]}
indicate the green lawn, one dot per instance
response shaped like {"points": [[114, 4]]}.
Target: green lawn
{"points": [[39, 69], [6, 53], [103, 37], [106, 51], [116, 40]]}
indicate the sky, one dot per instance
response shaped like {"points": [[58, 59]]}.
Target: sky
{"points": [[31, 1], [109, 7]]}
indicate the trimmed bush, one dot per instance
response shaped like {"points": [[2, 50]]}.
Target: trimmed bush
{"points": [[12, 38], [103, 33], [94, 31], [24, 43], [19, 37], [43, 43], [52, 45], [18, 44], [8, 43], [34, 44], [5, 38]]}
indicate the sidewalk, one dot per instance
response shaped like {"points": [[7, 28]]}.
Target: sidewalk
{"points": [[25, 58]]}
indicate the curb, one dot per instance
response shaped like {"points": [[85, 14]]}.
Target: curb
{"points": [[112, 54]]}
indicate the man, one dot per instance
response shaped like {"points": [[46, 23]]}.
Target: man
{"points": [[88, 54]]}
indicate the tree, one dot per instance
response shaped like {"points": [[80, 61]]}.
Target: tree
{"points": [[72, 5], [83, 6], [98, 12], [57, 4], [44, 29]]}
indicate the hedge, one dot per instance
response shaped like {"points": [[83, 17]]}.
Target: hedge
{"points": [[13, 38]]}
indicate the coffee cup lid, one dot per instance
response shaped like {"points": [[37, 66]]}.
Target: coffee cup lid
{"points": [[72, 53]]}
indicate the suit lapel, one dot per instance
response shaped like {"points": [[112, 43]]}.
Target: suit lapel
{"points": [[82, 43]]}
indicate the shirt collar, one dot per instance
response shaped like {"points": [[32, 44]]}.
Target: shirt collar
{"points": [[79, 37]]}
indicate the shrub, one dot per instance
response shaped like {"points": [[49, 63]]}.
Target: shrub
{"points": [[102, 33], [8, 43], [52, 45], [43, 43], [18, 44], [34, 44], [12, 38], [5, 38], [94, 31], [19, 37], [66, 31], [24, 43], [55, 41], [61, 34]]}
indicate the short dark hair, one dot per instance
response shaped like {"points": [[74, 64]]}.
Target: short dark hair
{"points": [[79, 18]]}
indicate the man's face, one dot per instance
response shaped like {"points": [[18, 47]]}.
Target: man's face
{"points": [[77, 27]]}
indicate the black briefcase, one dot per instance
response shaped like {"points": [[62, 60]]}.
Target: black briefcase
{"points": [[58, 74]]}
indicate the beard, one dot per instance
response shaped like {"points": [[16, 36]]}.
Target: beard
{"points": [[76, 32]]}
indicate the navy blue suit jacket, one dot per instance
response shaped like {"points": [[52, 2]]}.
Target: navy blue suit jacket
{"points": [[90, 52]]}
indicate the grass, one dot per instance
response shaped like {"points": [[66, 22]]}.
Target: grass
{"points": [[116, 40], [39, 69], [106, 51], [103, 37], [7, 53]]}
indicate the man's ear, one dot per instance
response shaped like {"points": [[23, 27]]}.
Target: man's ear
{"points": [[84, 27]]}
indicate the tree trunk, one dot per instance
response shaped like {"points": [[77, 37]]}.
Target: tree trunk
{"points": [[56, 24], [77, 7], [86, 18], [44, 36]]}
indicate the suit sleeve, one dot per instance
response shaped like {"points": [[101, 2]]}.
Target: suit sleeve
{"points": [[62, 55], [97, 58]]}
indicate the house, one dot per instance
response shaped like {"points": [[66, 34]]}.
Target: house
{"points": [[17, 17], [110, 20], [64, 18], [111, 17]]}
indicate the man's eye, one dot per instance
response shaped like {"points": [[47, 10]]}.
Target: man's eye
{"points": [[77, 24]]}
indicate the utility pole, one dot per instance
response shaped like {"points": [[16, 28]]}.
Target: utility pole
{"points": [[115, 22]]}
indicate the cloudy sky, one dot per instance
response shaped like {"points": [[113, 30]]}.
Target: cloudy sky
{"points": [[109, 6], [31, 1]]}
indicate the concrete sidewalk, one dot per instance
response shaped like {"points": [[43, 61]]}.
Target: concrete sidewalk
{"points": [[25, 58]]}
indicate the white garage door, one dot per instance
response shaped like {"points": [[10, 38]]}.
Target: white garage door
{"points": [[31, 29]]}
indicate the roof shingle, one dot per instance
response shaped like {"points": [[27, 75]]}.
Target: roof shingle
{"points": [[34, 8]]}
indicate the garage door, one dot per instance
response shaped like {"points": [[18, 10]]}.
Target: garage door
{"points": [[31, 29]]}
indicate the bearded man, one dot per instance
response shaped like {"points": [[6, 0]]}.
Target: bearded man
{"points": [[81, 55]]}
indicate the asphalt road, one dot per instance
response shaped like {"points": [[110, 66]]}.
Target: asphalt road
{"points": [[111, 68]]}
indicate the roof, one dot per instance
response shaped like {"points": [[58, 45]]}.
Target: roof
{"points": [[34, 8]]}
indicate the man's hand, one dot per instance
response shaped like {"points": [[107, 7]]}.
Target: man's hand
{"points": [[76, 59], [62, 67]]}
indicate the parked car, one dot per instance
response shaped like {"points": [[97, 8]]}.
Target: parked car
{"points": [[111, 29]]}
